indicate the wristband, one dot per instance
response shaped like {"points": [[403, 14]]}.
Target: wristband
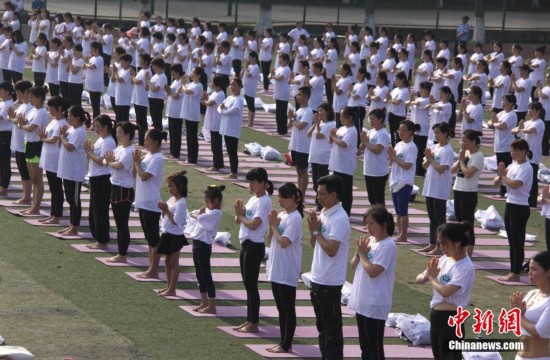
{"points": [[315, 233]]}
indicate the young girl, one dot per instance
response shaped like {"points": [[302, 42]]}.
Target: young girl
{"points": [[139, 96], [52, 64], [423, 71], [203, 233], [172, 239], [123, 88], [494, 60], [403, 158], [157, 92], [516, 60], [452, 277], [148, 171], [479, 78], [5, 54], [74, 67], [100, 184], [266, 48], [538, 64], [397, 110], [190, 112], [350, 37], [453, 79], [440, 111], [7, 96], [353, 58], [72, 163], [285, 260], [231, 110], [49, 161], [373, 66], [317, 85], [377, 94], [374, 263], [403, 64], [250, 75], [18, 54], [212, 122], [38, 57], [366, 40], [340, 89], [94, 76], [173, 110], [521, 86], [253, 221], [476, 56], [142, 45], [436, 78], [281, 94], [330, 63], [388, 65], [65, 58], [300, 53], [299, 143], [237, 49], [122, 185], [357, 95], [168, 56], [472, 114]]}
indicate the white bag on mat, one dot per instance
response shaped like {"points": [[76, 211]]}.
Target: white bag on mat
{"points": [[346, 293], [393, 317], [450, 213], [544, 174], [15, 353], [107, 102], [416, 330], [223, 238], [269, 153], [473, 355], [490, 163], [306, 278], [490, 218], [254, 148]]}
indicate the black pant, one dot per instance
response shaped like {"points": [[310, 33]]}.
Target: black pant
{"points": [[533, 193], [515, 223], [122, 113], [156, 106], [216, 145], [465, 203], [6, 75], [281, 116], [56, 189], [440, 334], [394, 121], [437, 215], [285, 299], [371, 337], [360, 113], [72, 195], [168, 73], [98, 216], [266, 66], [546, 138], [75, 93], [121, 203], [237, 66], [39, 78], [149, 221], [452, 119], [201, 258], [53, 89], [224, 82], [95, 98], [113, 105], [191, 135], [5, 159], [107, 62], [328, 91], [317, 172], [347, 191], [506, 158], [420, 142], [521, 116], [174, 129], [328, 318], [250, 259], [376, 187], [534, 93], [21, 162], [65, 90], [141, 120], [232, 144], [547, 233], [16, 76]]}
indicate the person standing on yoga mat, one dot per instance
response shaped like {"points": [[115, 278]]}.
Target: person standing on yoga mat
{"points": [[7, 97], [285, 260], [253, 221], [330, 237], [452, 277], [374, 263]]}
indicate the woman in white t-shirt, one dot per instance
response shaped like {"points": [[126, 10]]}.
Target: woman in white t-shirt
{"points": [[330, 62], [75, 85], [237, 49], [423, 71], [543, 94], [403, 64], [494, 60], [281, 94], [500, 85], [453, 79], [212, 122], [156, 92], [38, 57], [72, 163], [366, 40], [376, 161], [231, 110], [374, 62], [436, 78], [65, 58], [320, 147], [377, 95], [52, 64], [149, 170], [420, 116], [49, 159], [18, 54], [285, 260], [44, 25], [357, 95], [343, 154], [437, 184], [440, 112], [7, 97], [266, 48], [468, 169], [122, 77], [479, 78], [139, 95], [94, 77], [250, 75], [471, 114], [517, 178], [521, 86], [340, 90], [190, 112], [388, 65], [538, 64], [173, 110], [253, 221], [99, 177], [403, 163], [397, 109], [375, 264], [452, 277]]}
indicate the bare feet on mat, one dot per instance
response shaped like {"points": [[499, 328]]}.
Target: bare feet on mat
{"points": [[511, 277], [208, 310], [45, 219], [278, 349], [22, 202], [161, 290], [148, 275], [231, 176], [117, 259], [200, 307], [51, 221], [213, 169], [250, 328], [98, 246], [64, 230], [427, 248], [241, 326], [435, 252], [167, 293], [400, 240]]}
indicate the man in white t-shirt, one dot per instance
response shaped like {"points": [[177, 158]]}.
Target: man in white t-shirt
{"points": [[330, 237]]}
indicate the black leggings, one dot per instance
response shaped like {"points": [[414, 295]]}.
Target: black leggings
{"points": [[191, 135], [53, 89], [420, 142], [106, 62], [465, 203], [317, 172], [216, 145], [376, 187], [141, 120], [39, 78], [546, 138], [65, 91], [75, 93], [441, 333], [394, 121], [21, 162], [56, 189], [533, 193], [122, 113], [452, 119], [149, 221], [98, 216], [515, 223], [6, 74], [371, 337], [72, 195], [328, 319], [16, 76], [266, 66], [506, 158], [156, 106], [174, 129], [347, 191], [121, 203], [95, 98], [5, 159], [232, 144], [437, 215], [250, 259], [201, 258], [360, 113], [328, 91], [547, 233], [285, 299], [281, 116], [237, 66]]}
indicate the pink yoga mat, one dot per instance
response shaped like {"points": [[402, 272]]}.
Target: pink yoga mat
{"points": [[479, 241], [265, 311], [88, 236], [190, 277], [302, 332], [490, 253], [491, 265], [523, 281], [65, 222], [216, 249], [350, 351], [144, 262], [16, 212], [235, 295]]}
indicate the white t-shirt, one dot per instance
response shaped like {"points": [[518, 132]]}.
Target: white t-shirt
{"points": [[373, 67], [399, 94], [265, 49], [237, 52], [495, 65], [504, 137], [458, 273], [516, 62], [523, 97], [343, 159], [191, 106], [212, 118], [388, 66], [427, 67], [17, 62], [123, 90], [454, 82], [183, 51], [330, 67], [123, 177], [317, 84], [282, 88], [256, 207], [538, 73], [319, 149], [225, 65], [439, 116], [142, 44], [534, 139], [360, 89], [408, 153], [437, 81], [5, 124], [354, 62], [231, 116], [539, 315], [299, 141], [94, 77], [37, 117], [284, 264], [438, 185], [250, 80], [17, 134], [403, 66], [503, 80], [139, 94], [72, 164], [206, 226], [473, 60], [76, 78], [51, 72], [101, 146], [475, 112], [377, 164], [380, 93], [470, 184], [444, 53], [339, 101], [108, 44], [411, 49], [207, 65], [365, 48], [482, 83], [331, 270], [39, 65], [160, 81], [62, 73], [372, 296], [173, 106], [546, 102], [5, 54], [420, 116], [49, 158], [178, 208], [148, 192], [383, 41]]}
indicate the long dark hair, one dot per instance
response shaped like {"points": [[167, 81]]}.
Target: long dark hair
{"points": [[456, 232], [260, 175], [381, 216], [288, 191]]}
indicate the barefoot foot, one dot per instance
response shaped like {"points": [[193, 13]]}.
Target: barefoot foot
{"points": [[148, 275], [241, 326], [511, 277], [231, 176], [98, 246], [22, 202], [45, 219], [250, 328], [278, 349], [208, 310], [117, 259], [427, 248]]}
